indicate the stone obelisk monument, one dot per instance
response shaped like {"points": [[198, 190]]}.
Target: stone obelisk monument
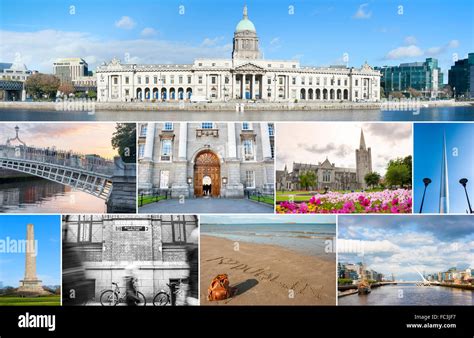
{"points": [[31, 285]]}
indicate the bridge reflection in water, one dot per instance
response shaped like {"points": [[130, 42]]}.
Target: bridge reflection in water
{"points": [[88, 173], [43, 196]]}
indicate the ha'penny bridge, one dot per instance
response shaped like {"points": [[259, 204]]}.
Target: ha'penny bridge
{"points": [[87, 173], [107, 179]]}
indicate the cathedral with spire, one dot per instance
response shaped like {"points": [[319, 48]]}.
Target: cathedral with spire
{"points": [[327, 174], [247, 75]]}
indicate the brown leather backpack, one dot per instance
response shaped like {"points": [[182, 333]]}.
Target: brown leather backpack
{"points": [[219, 288]]}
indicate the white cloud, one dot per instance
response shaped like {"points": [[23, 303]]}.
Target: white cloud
{"points": [[404, 52], [275, 41], [453, 44], [366, 247], [38, 50], [211, 42], [434, 51], [148, 31], [362, 12], [410, 40], [125, 22], [412, 50]]}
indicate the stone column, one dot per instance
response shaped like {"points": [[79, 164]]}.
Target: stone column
{"points": [[179, 186], [233, 90], [234, 188], [231, 143], [242, 86], [183, 139], [149, 142], [266, 148], [252, 87], [145, 169]]}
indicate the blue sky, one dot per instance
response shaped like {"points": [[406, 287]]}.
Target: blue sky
{"points": [[47, 230], [428, 155], [404, 244], [315, 32], [253, 219]]}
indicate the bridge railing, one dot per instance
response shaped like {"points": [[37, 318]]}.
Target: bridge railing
{"points": [[69, 159]]}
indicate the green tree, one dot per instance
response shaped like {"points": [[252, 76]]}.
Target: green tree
{"points": [[307, 179], [40, 85], [382, 93], [398, 175], [125, 140], [92, 94], [372, 179]]}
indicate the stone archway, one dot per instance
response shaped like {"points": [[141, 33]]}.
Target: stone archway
{"points": [[207, 174]]}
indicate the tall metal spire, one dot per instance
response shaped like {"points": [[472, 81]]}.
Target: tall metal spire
{"points": [[362, 140], [246, 16], [444, 185]]}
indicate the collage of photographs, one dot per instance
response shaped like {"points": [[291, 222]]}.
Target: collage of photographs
{"points": [[170, 155]]}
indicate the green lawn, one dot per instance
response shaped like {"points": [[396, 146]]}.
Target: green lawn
{"points": [[264, 199], [54, 300], [147, 199]]}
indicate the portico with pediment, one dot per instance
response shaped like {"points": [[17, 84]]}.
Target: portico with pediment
{"points": [[248, 82]]}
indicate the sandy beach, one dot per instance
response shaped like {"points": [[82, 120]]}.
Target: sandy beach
{"points": [[266, 274]]}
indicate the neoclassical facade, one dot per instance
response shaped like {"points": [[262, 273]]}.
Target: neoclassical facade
{"points": [[328, 175], [206, 159], [246, 76]]}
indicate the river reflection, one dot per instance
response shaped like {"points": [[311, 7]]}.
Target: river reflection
{"points": [[411, 294], [43, 196], [424, 114]]}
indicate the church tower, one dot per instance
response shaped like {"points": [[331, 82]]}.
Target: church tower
{"points": [[245, 39], [363, 161]]}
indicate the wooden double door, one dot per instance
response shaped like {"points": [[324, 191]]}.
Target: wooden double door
{"points": [[207, 175]]}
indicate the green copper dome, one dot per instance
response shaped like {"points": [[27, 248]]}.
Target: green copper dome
{"points": [[245, 24]]}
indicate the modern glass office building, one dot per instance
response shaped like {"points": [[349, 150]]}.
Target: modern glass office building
{"points": [[461, 77], [425, 77]]}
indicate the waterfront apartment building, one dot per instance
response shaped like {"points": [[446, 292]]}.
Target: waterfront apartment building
{"points": [[14, 71], [245, 76], [425, 77], [461, 77], [70, 69]]}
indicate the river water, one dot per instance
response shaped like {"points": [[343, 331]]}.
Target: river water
{"points": [[410, 294], [425, 114], [43, 196]]}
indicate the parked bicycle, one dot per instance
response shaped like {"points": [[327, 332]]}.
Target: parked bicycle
{"points": [[163, 298], [115, 296]]}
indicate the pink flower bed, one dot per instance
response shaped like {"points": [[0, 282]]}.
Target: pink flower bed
{"points": [[388, 201]]}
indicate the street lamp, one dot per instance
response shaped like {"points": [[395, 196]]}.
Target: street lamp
{"points": [[426, 181], [463, 182]]}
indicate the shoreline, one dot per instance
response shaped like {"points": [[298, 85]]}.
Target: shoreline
{"points": [[266, 274], [218, 106]]}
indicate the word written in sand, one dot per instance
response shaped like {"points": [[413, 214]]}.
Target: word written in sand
{"points": [[299, 286]]}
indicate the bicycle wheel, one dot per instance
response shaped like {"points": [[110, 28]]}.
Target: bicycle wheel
{"points": [[142, 298], [161, 299], [109, 298]]}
